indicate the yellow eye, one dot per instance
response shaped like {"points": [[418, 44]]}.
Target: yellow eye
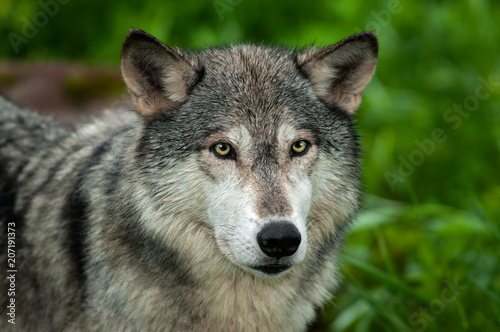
{"points": [[222, 149], [299, 147]]}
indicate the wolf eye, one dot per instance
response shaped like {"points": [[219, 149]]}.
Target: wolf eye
{"points": [[299, 148], [223, 150]]}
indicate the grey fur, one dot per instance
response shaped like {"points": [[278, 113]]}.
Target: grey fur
{"points": [[86, 203]]}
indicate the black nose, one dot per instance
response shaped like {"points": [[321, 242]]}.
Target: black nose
{"points": [[279, 239]]}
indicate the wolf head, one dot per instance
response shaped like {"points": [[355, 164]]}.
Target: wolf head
{"points": [[261, 139]]}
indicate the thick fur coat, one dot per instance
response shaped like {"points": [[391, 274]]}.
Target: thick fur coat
{"points": [[158, 219]]}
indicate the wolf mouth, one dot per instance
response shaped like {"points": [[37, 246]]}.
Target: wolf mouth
{"points": [[272, 269]]}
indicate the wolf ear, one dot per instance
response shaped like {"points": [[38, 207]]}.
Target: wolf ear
{"points": [[159, 78], [341, 72]]}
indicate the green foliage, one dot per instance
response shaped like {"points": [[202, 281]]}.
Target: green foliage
{"points": [[430, 129], [418, 267]]}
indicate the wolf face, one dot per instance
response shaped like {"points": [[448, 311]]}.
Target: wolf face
{"points": [[261, 197], [266, 137]]}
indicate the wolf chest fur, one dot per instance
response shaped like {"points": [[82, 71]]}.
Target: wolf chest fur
{"points": [[218, 204]]}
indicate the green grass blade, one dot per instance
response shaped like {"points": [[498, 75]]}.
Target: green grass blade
{"points": [[385, 278]]}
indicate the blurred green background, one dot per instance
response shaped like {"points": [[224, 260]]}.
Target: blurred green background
{"points": [[424, 254]]}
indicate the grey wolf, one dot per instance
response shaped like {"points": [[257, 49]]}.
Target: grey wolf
{"points": [[219, 204]]}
